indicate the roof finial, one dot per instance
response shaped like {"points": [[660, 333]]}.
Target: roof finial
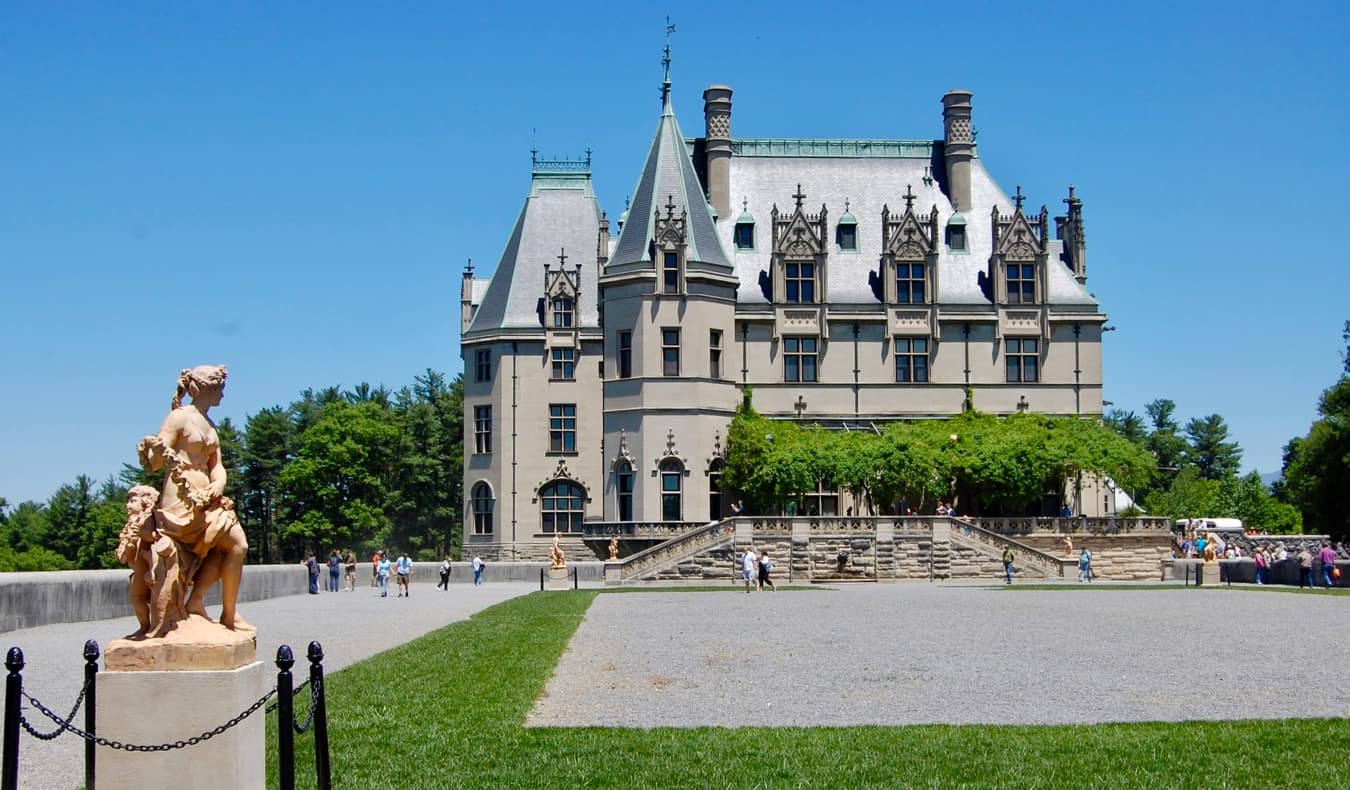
{"points": [[1019, 197], [799, 196], [665, 61], [909, 196]]}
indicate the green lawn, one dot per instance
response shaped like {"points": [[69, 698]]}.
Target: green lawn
{"points": [[447, 710]]}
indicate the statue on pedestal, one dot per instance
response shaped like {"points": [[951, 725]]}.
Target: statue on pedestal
{"points": [[189, 537], [613, 548], [557, 560]]}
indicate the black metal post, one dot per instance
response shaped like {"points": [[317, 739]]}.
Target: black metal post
{"points": [[91, 654], [574, 577], [321, 769], [285, 718], [541, 580], [9, 779]]}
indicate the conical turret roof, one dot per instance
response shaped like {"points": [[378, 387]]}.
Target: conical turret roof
{"points": [[669, 178]]}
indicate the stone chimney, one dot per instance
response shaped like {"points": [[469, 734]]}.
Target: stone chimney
{"points": [[717, 122], [602, 241], [1070, 230], [958, 147]]}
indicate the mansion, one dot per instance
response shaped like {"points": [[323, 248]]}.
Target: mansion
{"points": [[847, 283]]}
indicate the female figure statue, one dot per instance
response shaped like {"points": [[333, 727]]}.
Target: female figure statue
{"points": [[192, 508]]}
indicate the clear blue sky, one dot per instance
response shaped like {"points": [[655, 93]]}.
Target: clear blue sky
{"points": [[292, 188]]}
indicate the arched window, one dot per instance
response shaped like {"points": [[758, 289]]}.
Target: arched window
{"points": [[715, 504], [482, 503], [624, 482], [562, 505], [672, 490]]}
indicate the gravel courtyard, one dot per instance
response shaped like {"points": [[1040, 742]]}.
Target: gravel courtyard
{"points": [[927, 654]]}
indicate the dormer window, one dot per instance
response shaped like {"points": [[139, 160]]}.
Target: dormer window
{"points": [[799, 282], [745, 236], [846, 232], [956, 233], [563, 309]]}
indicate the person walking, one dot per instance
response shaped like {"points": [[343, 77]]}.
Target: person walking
{"points": [[765, 568], [375, 568], [1085, 565], [1007, 564], [1327, 556], [445, 576], [749, 568], [1262, 563], [351, 571], [312, 565], [405, 570], [334, 570], [382, 573], [1305, 559], [478, 565]]}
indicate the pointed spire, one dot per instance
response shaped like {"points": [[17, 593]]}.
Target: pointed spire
{"points": [[665, 62]]}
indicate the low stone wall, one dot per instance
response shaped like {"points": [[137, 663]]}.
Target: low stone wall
{"points": [[45, 597], [1243, 571]]}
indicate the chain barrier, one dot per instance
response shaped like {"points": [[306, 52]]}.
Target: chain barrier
{"points": [[315, 690], [54, 734], [273, 707], [65, 725]]}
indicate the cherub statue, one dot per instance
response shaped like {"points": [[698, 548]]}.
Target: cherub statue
{"points": [[613, 548], [158, 581]]}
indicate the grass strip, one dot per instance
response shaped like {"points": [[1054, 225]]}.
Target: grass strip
{"points": [[448, 710]]}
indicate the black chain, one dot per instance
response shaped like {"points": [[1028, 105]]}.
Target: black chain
{"points": [[314, 691], [48, 736], [271, 708], [133, 747]]}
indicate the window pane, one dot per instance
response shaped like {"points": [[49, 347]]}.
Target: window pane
{"points": [[808, 368], [790, 371], [920, 369], [1029, 345], [921, 345], [902, 271], [917, 271], [1014, 368], [1029, 367], [917, 292]]}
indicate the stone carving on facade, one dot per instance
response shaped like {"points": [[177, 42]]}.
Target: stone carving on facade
{"points": [[561, 472], [182, 540], [671, 230], [671, 451], [623, 456], [800, 236]]}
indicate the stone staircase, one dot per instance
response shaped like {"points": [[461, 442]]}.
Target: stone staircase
{"points": [[1028, 559], [648, 563]]}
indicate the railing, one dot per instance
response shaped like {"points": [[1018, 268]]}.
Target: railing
{"points": [[638, 530], [973, 535], [686, 545], [1104, 525]]}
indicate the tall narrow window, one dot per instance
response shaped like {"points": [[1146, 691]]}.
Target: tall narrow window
{"points": [[482, 429], [715, 353], [672, 483], [670, 352], [482, 368], [482, 504], [625, 355], [625, 491], [563, 307], [1021, 283], [562, 506], [564, 363], [909, 282], [800, 282], [911, 360], [562, 428], [1022, 356], [799, 359], [670, 273]]}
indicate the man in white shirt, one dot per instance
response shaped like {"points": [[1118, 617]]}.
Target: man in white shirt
{"points": [[749, 568], [404, 570]]}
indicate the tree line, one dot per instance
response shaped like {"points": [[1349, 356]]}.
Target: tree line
{"points": [[362, 468]]}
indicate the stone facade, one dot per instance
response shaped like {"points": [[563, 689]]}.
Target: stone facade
{"points": [[848, 282]]}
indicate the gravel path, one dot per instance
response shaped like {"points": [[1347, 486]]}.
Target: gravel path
{"points": [[923, 654], [350, 626]]}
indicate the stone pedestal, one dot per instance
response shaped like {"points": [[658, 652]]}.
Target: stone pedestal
{"points": [[152, 707], [559, 579], [613, 572], [1209, 574]]}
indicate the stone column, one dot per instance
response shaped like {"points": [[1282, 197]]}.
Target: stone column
{"points": [[958, 147], [717, 150]]}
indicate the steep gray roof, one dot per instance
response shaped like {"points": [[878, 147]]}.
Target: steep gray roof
{"points": [[561, 212], [869, 178], [669, 176]]}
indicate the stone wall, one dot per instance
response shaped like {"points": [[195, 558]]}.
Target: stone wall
{"points": [[1135, 557]]}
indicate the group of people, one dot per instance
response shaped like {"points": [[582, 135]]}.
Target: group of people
{"points": [[756, 570], [336, 563], [1211, 545]]}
